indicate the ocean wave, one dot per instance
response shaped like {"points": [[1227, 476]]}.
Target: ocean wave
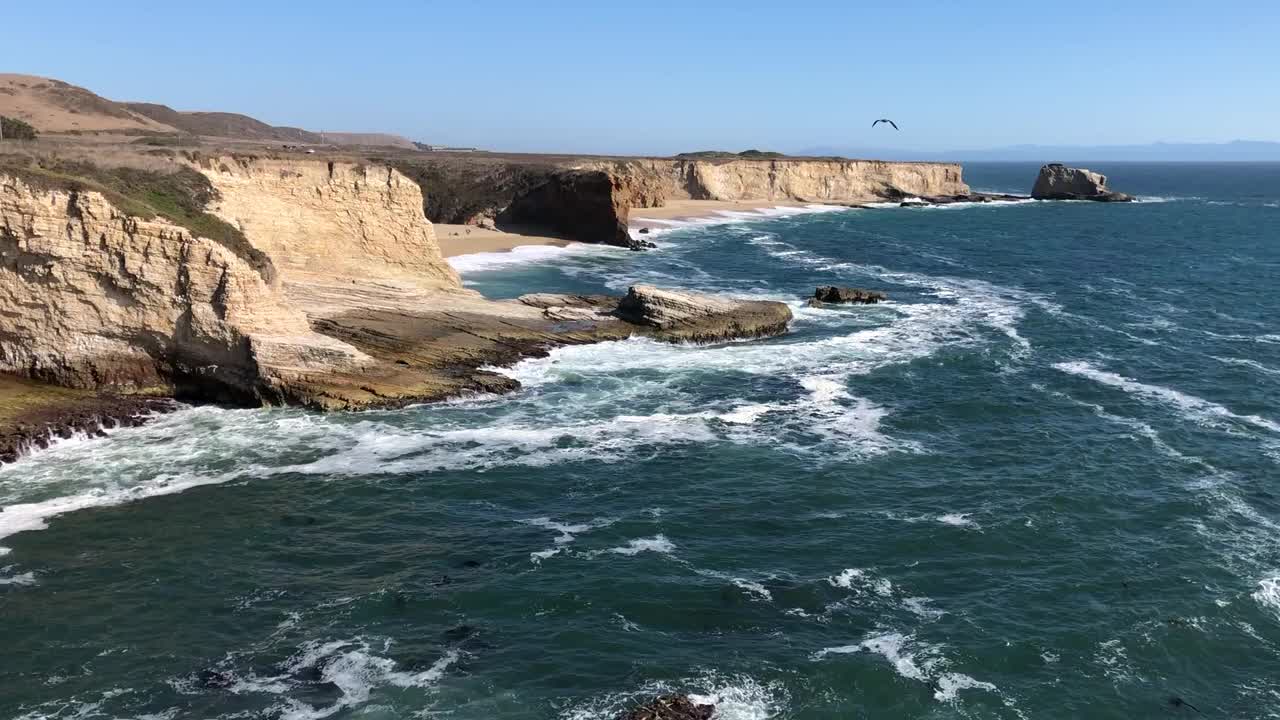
{"points": [[1190, 407], [1251, 364], [722, 216], [1268, 594], [529, 254]]}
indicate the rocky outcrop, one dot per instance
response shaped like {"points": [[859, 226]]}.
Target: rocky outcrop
{"points": [[670, 707], [1059, 182], [694, 317], [834, 294]]}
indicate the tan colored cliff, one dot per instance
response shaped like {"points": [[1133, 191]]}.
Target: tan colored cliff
{"points": [[652, 181], [331, 220], [93, 298]]}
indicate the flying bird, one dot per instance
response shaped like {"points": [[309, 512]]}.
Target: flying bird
{"points": [[894, 124]]}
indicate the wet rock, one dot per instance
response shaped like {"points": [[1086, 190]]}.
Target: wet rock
{"points": [[835, 294], [679, 315], [1059, 182], [670, 707], [644, 231]]}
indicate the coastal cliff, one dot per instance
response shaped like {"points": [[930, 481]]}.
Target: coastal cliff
{"points": [[94, 297], [324, 287], [651, 182], [591, 200]]}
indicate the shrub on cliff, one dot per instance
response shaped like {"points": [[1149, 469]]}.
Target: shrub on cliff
{"points": [[15, 129]]}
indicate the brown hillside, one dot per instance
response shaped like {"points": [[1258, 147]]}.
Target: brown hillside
{"points": [[222, 124], [53, 106]]}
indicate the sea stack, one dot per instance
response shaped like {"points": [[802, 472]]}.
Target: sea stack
{"points": [[1059, 182]]}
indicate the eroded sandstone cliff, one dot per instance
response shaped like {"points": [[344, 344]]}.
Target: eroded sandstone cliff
{"points": [[591, 200], [651, 181], [92, 297]]}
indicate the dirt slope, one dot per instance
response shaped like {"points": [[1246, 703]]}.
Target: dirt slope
{"points": [[54, 106]]}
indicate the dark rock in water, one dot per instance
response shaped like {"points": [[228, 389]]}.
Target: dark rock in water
{"points": [[670, 707], [644, 231], [215, 679], [471, 563], [1059, 182], [834, 294]]}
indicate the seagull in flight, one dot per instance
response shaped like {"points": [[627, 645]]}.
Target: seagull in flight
{"points": [[894, 124]]}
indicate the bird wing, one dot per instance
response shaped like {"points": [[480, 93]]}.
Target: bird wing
{"points": [[894, 124], [876, 123]]}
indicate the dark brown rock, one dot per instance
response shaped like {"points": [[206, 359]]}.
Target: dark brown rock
{"points": [[834, 294], [670, 707]]}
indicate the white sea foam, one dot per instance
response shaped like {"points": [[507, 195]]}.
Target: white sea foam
{"points": [[909, 659], [947, 686], [528, 254], [721, 217], [735, 697], [920, 606], [916, 660], [8, 577], [568, 533], [1188, 406], [1268, 594], [656, 544], [859, 579], [957, 520], [353, 666]]}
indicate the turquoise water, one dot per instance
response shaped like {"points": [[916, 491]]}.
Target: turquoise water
{"points": [[1038, 483]]}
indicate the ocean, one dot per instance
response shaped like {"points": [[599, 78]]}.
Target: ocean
{"points": [[1039, 482]]}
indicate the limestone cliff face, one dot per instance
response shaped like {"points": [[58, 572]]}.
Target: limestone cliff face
{"points": [[334, 220], [93, 298], [649, 182]]}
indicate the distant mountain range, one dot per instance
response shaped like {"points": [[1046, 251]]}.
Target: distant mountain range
{"points": [[53, 106], [1237, 150]]}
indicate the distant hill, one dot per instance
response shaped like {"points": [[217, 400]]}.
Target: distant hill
{"points": [[378, 139], [1237, 150], [222, 124], [53, 106]]}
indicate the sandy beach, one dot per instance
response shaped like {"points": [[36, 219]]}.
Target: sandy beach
{"points": [[467, 239]]}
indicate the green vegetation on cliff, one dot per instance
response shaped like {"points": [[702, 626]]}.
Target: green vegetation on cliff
{"points": [[15, 129]]}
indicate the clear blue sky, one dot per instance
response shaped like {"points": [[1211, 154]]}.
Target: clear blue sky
{"points": [[661, 77]]}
